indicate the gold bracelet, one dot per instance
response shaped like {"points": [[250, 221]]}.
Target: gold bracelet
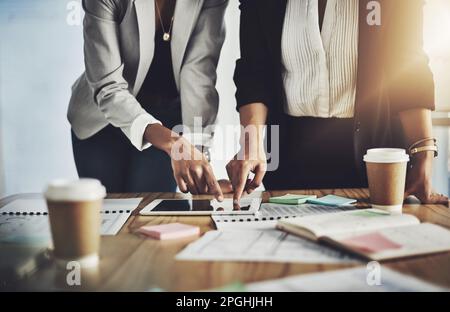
{"points": [[427, 148], [420, 142]]}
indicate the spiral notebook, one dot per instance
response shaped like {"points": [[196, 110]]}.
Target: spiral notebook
{"points": [[270, 213], [26, 220]]}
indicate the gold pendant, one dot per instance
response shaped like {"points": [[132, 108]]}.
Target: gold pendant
{"points": [[166, 37]]}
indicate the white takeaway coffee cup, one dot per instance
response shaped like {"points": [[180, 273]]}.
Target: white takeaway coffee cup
{"points": [[74, 211], [386, 172]]}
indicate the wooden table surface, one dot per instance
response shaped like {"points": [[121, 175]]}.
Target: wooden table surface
{"points": [[132, 263]]}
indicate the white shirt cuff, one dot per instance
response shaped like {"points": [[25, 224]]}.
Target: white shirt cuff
{"points": [[137, 130]]}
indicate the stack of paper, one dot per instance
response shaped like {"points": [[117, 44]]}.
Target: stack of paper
{"points": [[347, 280]]}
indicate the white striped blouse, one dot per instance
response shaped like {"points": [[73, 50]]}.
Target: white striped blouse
{"points": [[320, 68]]}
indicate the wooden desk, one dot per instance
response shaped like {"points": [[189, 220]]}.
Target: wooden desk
{"points": [[131, 263]]}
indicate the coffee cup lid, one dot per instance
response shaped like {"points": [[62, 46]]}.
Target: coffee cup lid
{"points": [[386, 155], [74, 190]]}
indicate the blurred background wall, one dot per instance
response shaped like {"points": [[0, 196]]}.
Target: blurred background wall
{"points": [[41, 55], [437, 45]]}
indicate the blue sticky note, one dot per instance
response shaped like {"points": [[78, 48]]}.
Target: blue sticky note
{"points": [[331, 200]]}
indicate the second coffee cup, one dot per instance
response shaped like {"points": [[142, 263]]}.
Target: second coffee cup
{"points": [[386, 172]]}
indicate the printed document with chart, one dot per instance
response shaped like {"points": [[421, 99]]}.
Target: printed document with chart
{"points": [[267, 245]]}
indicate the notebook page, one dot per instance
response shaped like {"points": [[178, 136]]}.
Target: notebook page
{"points": [[351, 222], [399, 242], [20, 206], [39, 206], [26, 220]]}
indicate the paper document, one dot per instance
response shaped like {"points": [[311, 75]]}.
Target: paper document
{"points": [[113, 222], [259, 245], [347, 280], [21, 229], [26, 220], [116, 212], [268, 214]]}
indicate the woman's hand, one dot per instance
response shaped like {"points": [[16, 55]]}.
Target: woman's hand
{"points": [[418, 181], [191, 169], [417, 126], [225, 186], [250, 159]]}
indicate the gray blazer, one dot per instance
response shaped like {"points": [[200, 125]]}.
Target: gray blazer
{"points": [[118, 49]]}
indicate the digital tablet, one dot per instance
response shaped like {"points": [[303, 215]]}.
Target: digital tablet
{"points": [[199, 207]]}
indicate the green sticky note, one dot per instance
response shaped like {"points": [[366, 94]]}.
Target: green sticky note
{"points": [[291, 199]]}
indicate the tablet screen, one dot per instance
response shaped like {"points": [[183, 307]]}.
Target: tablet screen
{"points": [[185, 205]]}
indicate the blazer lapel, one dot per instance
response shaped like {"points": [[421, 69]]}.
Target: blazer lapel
{"points": [[145, 13], [186, 14]]}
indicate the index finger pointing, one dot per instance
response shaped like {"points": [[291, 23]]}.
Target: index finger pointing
{"points": [[239, 184], [213, 185]]}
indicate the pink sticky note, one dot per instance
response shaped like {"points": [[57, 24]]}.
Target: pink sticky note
{"points": [[170, 231], [373, 242]]}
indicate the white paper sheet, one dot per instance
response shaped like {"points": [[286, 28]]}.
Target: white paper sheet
{"points": [[26, 220], [23, 229], [248, 225], [269, 214], [347, 280], [259, 245]]}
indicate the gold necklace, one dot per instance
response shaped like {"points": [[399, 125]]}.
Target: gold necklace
{"points": [[166, 34]]}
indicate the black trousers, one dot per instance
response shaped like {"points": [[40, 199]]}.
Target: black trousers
{"points": [[317, 153], [109, 157]]}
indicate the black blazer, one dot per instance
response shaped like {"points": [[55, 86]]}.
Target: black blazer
{"points": [[393, 72]]}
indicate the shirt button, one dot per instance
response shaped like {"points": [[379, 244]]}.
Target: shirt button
{"points": [[358, 127]]}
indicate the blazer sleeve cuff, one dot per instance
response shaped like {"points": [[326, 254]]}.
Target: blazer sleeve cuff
{"points": [[137, 130]]}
